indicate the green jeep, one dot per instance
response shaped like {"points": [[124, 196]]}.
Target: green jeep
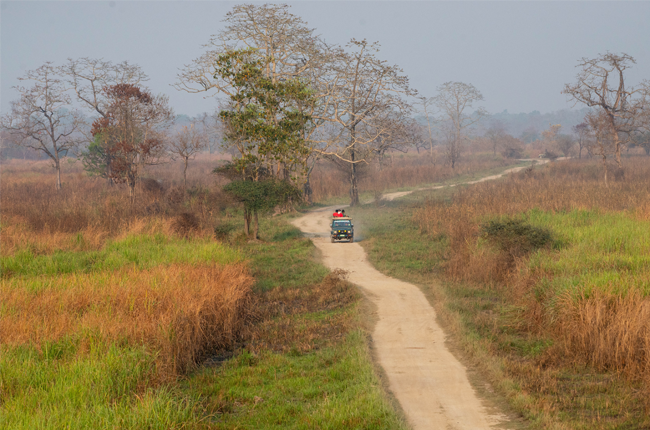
{"points": [[342, 229]]}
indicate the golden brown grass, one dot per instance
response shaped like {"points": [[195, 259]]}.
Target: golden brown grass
{"points": [[179, 312]]}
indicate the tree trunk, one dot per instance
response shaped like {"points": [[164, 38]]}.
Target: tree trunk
{"points": [[247, 222], [307, 191], [57, 165], [185, 173], [132, 191], [256, 226], [354, 188]]}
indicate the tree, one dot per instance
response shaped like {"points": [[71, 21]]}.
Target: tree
{"points": [[88, 78], [188, 142], [642, 140], [511, 147], [529, 135], [42, 119], [582, 132], [366, 105], [495, 133], [426, 103], [601, 84], [565, 144], [259, 197], [549, 137], [132, 131], [269, 30], [453, 100], [264, 121], [603, 142]]}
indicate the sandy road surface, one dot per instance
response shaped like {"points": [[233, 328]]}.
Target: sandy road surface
{"points": [[393, 196], [427, 380], [430, 384]]}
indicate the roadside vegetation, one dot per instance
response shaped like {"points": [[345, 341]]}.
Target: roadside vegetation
{"points": [[164, 315], [542, 280]]}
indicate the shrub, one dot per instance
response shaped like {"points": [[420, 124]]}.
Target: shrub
{"points": [[514, 237]]}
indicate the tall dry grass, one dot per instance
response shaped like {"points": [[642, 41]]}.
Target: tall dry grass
{"points": [[33, 214], [609, 328], [178, 312]]}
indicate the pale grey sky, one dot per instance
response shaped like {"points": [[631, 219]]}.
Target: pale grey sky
{"points": [[518, 54]]}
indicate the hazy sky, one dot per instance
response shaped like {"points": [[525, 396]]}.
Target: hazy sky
{"points": [[518, 54]]}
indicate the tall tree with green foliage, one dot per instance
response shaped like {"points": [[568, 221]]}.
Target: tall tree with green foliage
{"points": [[266, 121]]}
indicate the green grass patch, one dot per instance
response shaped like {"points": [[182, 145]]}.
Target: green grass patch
{"points": [[331, 388], [140, 251], [56, 388]]}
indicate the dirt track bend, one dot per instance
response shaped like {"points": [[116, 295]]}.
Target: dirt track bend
{"points": [[430, 384]]}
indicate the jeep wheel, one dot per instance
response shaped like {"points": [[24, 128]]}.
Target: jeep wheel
{"points": [[332, 240]]}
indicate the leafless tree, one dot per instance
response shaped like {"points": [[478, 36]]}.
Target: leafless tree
{"points": [[42, 119], [88, 77], [582, 133], [212, 128], [454, 99], [188, 142], [601, 84], [368, 102], [495, 133]]}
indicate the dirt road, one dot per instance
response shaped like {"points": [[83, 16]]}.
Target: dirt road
{"points": [[430, 384]]}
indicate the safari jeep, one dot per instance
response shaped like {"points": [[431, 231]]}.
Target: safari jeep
{"points": [[342, 229]]}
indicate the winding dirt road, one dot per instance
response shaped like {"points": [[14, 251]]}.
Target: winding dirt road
{"points": [[430, 384]]}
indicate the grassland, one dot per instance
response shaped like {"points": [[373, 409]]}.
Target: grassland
{"points": [[561, 332], [135, 320]]}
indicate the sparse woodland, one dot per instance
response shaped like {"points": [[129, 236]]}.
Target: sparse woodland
{"points": [[138, 245]]}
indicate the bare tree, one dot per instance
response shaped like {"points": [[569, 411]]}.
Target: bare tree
{"points": [[368, 104], [495, 133], [454, 99], [88, 77], [188, 142], [42, 119], [582, 132], [601, 84], [212, 128]]}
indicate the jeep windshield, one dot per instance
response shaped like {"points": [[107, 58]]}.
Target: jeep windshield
{"points": [[341, 224]]}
